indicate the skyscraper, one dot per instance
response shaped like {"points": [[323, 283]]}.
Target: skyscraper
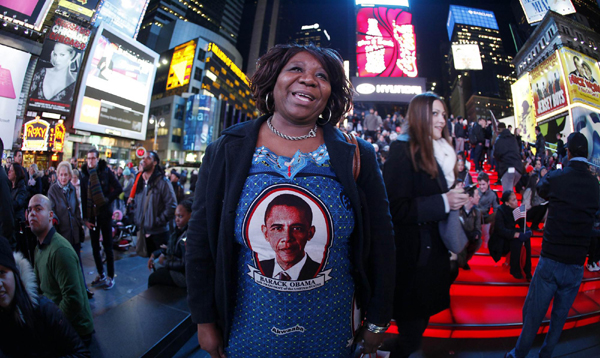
{"points": [[478, 72]]}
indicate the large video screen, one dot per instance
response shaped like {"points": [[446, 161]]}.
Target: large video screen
{"points": [[470, 16], [32, 12], [535, 10], [124, 15], [466, 57], [83, 8], [386, 45], [114, 97], [383, 2], [13, 66], [57, 71]]}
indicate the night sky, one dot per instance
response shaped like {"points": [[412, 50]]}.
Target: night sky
{"points": [[429, 18]]}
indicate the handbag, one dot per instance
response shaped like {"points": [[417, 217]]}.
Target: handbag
{"points": [[452, 233]]}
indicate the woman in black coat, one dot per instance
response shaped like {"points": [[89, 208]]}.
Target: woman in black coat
{"points": [[417, 175], [18, 191]]}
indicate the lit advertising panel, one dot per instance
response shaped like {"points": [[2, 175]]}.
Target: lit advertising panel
{"points": [[587, 121], [56, 72], [548, 87], [403, 3], [386, 44], [30, 12], [385, 89], [535, 10], [85, 8], [582, 77], [13, 66], [124, 15], [524, 110], [466, 57], [200, 122], [114, 97], [470, 16], [181, 65]]}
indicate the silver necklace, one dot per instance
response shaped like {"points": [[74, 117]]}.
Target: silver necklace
{"points": [[311, 134]]}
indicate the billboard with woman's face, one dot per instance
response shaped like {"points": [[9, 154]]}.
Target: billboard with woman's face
{"points": [[55, 76]]}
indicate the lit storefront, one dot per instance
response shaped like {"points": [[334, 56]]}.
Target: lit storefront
{"points": [[43, 143]]}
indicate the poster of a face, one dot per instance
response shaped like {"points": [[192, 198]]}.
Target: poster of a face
{"points": [[13, 66], [548, 87], [582, 75], [587, 121], [524, 110], [55, 76], [290, 233]]}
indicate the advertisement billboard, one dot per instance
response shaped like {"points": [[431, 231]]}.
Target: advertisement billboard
{"points": [[386, 45], [466, 57], [55, 76], [124, 15], [383, 3], [385, 89], [201, 119], [115, 91], [587, 121], [30, 12], [535, 10], [13, 66], [524, 109], [582, 77], [470, 16], [83, 8], [181, 65], [548, 86]]}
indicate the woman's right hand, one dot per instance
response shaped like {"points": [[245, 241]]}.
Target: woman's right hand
{"points": [[211, 340], [457, 198]]}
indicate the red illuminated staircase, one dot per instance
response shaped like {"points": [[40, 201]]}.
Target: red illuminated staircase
{"points": [[487, 302]]}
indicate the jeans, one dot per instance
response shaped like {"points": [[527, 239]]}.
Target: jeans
{"points": [[476, 154], [410, 335], [552, 279], [509, 180], [103, 225]]}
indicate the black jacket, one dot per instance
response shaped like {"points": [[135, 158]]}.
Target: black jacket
{"points": [[573, 201], [7, 223], [540, 145], [504, 232], [422, 260], [175, 252], [459, 130], [154, 217], [507, 153], [110, 188], [211, 252], [20, 200], [477, 134]]}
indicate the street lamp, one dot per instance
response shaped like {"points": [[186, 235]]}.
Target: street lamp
{"points": [[159, 123]]}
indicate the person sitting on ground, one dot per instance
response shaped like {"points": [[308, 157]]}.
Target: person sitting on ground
{"points": [[488, 200], [533, 203], [508, 238], [170, 270], [32, 326], [471, 220]]}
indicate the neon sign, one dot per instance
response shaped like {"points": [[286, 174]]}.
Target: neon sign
{"points": [[386, 45], [57, 137], [35, 135]]}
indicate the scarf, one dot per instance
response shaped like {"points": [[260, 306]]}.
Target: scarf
{"points": [[446, 158], [95, 197]]}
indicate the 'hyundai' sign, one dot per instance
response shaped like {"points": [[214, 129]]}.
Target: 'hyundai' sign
{"points": [[387, 89]]}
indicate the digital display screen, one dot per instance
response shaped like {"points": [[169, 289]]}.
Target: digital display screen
{"points": [[84, 8], [124, 15], [470, 16], [466, 57], [31, 12], [115, 93], [181, 65], [535, 10], [383, 2]]}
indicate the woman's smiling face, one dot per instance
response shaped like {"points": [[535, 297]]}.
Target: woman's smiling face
{"points": [[438, 119]]}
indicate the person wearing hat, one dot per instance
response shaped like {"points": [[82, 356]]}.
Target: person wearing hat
{"points": [[573, 201], [177, 188]]}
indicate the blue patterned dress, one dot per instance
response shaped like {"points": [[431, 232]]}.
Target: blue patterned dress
{"points": [[310, 312]]}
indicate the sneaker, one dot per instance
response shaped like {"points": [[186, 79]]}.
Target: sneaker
{"points": [[110, 283], [593, 267], [99, 280]]}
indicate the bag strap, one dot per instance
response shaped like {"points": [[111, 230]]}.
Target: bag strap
{"points": [[351, 138]]}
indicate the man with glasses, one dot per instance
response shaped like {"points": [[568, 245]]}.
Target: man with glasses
{"points": [[99, 188]]}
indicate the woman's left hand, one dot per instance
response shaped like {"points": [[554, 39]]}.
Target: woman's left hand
{"points": [[371, 341]]}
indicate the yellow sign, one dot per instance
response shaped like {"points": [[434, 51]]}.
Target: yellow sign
{"points": [[524, 109], [548, 87], [223, 57], [76, 8], [35, 135], [582, 76], [181, 65]]}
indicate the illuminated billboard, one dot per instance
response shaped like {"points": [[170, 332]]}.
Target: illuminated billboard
{"points": [[466, 57], [181, 65], [29, 13], [587, 121], [83, 8], [386, 89], [470, 16], [524, 111], [114, 97], [548, 87], [13, 67], [124, 15], [582, 77], [56, 72], [386, 45], [535, 10], [383, 3], [201, 122]]}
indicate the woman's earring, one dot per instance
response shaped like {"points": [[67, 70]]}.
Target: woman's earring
{"points": [[328, 118], [267, 103]]}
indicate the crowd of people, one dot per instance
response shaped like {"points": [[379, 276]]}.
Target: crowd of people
{"points": [[361, 223]]}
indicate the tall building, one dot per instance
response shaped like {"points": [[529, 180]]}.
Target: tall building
{"points": [[312, 34], [258, 35], [478, 72], [220, 16]]}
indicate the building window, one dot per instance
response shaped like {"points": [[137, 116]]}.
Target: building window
{"points": [[195, 90], [163, 131], [179, 112], [201, 55], [198, 74]]}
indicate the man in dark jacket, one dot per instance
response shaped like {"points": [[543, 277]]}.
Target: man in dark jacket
{"points": [[6, 219], [155, 203], [99, 188], [573, 201], [540, 144], [508, 158], [459, 134], [477, 139]]}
